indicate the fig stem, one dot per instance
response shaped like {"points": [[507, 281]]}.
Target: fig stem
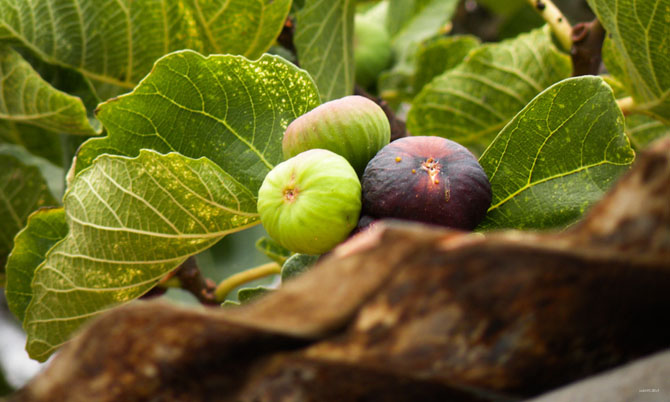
{"points": [[240, 278], [560, 25]]}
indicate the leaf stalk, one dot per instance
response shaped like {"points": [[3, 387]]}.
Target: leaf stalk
{"points": [[233, 281]]}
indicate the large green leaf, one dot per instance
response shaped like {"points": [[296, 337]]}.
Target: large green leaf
{"points": [[638, 50], [22, 190], [117, 41], [45, 228], [25, 97], [441, 54], [472, 102], [324, 40], [557, 156], [226, 108], [131, 221]]}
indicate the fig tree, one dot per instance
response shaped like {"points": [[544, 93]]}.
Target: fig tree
{"points": [[427, 179], [310, 203], [354, 127]]}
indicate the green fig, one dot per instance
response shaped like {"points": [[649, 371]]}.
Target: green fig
{"points": [[353, 127], [311, 202], [372, 51]]}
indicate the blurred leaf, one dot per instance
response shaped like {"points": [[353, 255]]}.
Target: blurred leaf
{"points": [[643, 130], [131, 221], [118, 41], [45, 228], [557, 157], [36, 140], [439, 55], [472, 102], [245, 295], [507, 7], [296, 265], [5, 388], [638, 51], [53, 175], [273, 250], [323, 38], [226, 108], [410, 22], [27, 98], [22, 190]]}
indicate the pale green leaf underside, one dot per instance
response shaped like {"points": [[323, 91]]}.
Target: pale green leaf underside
{"points": [[226, 108], [557, 156], [22, 190], [117, 41], [324, 41], [472, 102], [40, 142], [45, 228], [131, 221], [639, 50], [26, 98]]}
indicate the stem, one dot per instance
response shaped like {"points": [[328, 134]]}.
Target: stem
{"points": [[587, 44], [627, 105], [560, 25], [233, 281]]}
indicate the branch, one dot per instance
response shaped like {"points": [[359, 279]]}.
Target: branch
{"points": [[189, 278], [233, 281], [560, 25], [587, 44], [398, 129], [286, 36]]}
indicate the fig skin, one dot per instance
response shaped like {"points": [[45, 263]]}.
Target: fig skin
{"points": [[372, 50], [427, 179], [354, 127], [310, 203]]}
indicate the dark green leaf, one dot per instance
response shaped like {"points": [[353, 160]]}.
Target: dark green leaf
{"points": [[245, 295], [638, 50], [226, 108], [296, 265], [131, 221], [36, 140], [22, 190], [273, 250], [44, 229], [557, 157], [324, 40], [472, 102]]}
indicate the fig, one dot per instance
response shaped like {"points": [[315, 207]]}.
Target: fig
{"points": [[310, 202], [372, 50], [354, 127], [427, 179]]}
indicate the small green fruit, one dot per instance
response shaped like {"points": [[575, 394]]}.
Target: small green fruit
{"points": [[353, 127], [372, 50], [311, 202]]}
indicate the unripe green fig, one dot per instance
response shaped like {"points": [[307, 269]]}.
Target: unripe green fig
{"points": [[310, 202], [354, 127], [372, 50]]}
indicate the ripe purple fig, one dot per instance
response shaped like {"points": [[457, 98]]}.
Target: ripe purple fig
{"points": [[353, 127], [427, 179]]}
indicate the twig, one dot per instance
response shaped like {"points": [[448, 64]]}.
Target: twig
{"points": [[398, 129], [560, 25], [233, 281], [286, 36], [193, 281], [587, 44]]}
